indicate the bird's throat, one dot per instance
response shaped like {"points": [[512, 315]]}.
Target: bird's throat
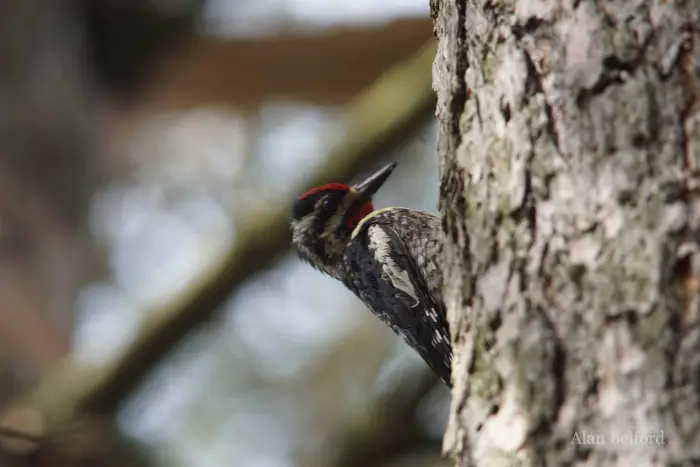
{"points": [[355, 217]]}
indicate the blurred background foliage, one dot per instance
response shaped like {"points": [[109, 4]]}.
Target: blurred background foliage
{"points": [[151, 310]]}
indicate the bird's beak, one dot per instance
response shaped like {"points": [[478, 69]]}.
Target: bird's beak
{"points": [[371, 185]]}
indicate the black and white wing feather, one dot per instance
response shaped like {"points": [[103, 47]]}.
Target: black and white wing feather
{"points": [[384, 275]]}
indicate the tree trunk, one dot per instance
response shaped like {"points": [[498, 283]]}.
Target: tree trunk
{"points": [[570, 148]]}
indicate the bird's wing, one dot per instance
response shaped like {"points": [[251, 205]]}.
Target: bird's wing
{"points": [[385, 277]]}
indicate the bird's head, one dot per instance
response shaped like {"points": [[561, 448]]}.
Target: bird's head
{"points": [[323, 219]]}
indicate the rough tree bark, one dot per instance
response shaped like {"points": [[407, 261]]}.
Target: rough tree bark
{"points": [[570, 148]]}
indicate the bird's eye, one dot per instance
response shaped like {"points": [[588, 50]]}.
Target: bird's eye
{"points": [[326, 203]]}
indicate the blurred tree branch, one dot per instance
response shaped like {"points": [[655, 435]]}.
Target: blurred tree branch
{"points": [[318, 68], [383, 115]]}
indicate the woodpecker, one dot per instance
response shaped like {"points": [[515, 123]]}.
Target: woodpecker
{"points": [[387, 257]]}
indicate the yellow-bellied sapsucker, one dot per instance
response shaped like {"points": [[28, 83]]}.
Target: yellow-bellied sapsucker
{"points": [[387, 257]]}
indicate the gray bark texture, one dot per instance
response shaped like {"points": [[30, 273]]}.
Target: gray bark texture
{"points": [[570, 148]]}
